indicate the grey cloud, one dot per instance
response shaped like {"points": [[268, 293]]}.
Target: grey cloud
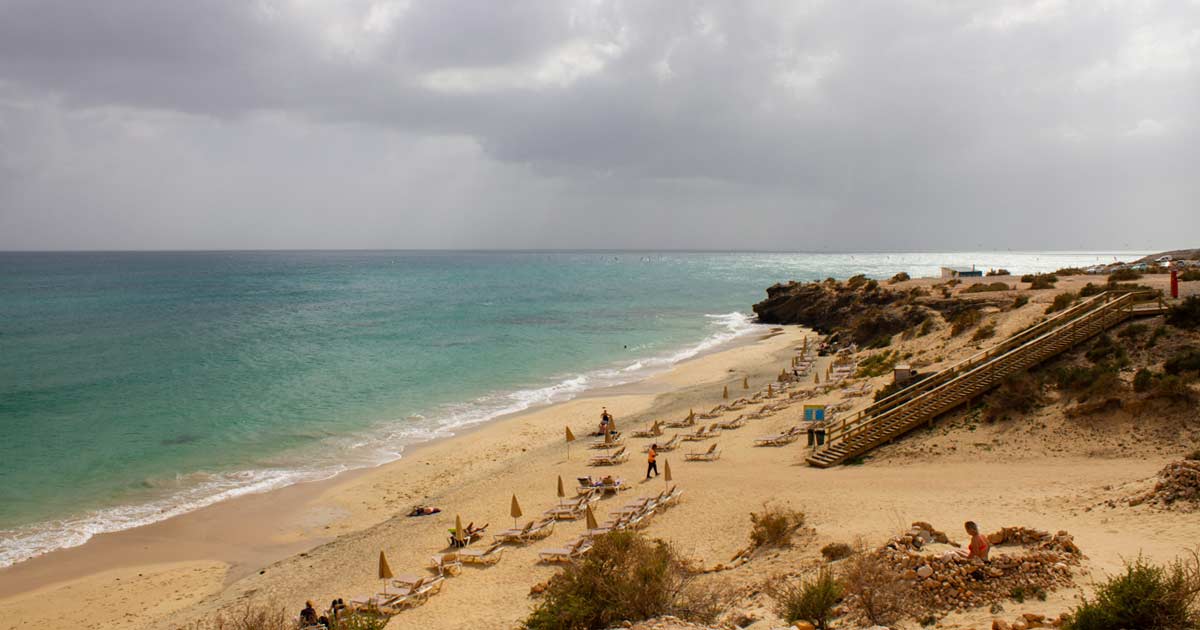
{"points": [[661, 117]]}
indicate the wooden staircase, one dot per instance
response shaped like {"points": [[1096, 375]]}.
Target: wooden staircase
{"points": [[923, 401]]}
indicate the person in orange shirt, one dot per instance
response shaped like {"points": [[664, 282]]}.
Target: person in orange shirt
{"points": [[651, 464]]}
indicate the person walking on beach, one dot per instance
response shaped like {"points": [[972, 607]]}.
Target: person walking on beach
{"points": [[651, 463], [605, 418]]}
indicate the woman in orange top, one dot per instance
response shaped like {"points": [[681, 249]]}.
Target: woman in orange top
{"points": [[979, 546], [651, 464]]}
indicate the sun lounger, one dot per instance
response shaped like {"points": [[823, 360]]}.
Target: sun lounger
{"points": [[570, 510], [416, 595], [730, 425], [446, 564], [654, 431], [607, 485], [613, 442], [488, 556], [779, 439], [663, 447], [570, 552], [679, 424], [711, 455], [541, 529], [609, 459], [763, 412], [671, 497], [514, 535], [703, 433]]}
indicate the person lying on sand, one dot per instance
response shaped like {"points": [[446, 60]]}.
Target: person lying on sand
{"points": [[422, 510]]}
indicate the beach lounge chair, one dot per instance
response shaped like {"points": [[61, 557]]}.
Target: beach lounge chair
{"points": [[730, 425], [779, 439], [446, 564], [489, 556], [763, 412], [738, 404], [570, 510], [470, 535], [541, 529], [515, 535], [613, 442], [687, 421], [416, 595], [568, 553], [663, 447], [715, 412], [711, 455], [606, 485], [609, 459], [654, 431], [703, 433], [671, 497]]}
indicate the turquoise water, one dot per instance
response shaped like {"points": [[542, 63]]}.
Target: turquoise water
{"points": [[135, 386]]}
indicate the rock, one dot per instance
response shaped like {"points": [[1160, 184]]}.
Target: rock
{"points": [[1000, 624], [804, 625], [1019, 625], [909, 574], [742, 620], [925, 571]]}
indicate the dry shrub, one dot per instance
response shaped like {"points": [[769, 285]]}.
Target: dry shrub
{"points": [[873, 589], [1061, 302], [998, 272], [836, 551], [984, 287], [1124, 275], [900, 277], [964, 320], [624, 577], [250, 616], [1018, 394], [1191, 275], [811, 600], [1144, 596], [984, 332], [1040, 281], [774, 526]]}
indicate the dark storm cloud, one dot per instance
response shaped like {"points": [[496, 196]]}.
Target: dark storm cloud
{"points": [[641, 124]]}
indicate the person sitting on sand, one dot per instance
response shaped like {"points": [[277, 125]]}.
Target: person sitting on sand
{"points": [[308, 616], [422, 510], [977, 548]]}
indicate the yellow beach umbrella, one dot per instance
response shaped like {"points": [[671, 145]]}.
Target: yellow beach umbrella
{"points": [[805, 348], [458, 530], [514, 510], [745, 382], [385, 571], [591, 518], [570, 438], [725, 393]]}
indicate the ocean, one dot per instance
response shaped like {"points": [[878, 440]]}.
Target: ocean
{"points": [[138, 386]]}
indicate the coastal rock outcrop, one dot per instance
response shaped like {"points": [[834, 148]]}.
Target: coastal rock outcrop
{"points": [[1177, 487], [864, 310]]}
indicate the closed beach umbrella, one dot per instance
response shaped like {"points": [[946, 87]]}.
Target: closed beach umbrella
{"points": [[691, 415], [816, 378], [745, 382], [385, 572], [656, 429], [561, 492], [515, 510], [725, 393], [458, 531], [770, 392], [805, 348], [667, 470], [608, 437], [591, 518]]}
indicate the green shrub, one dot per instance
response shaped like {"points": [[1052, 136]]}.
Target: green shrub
{"points": [[1144, 596], [811, 600], [1186, 314], [1191, 275], [1070, 271], [1061, 302], [856, 281], [1084, 383], [926, 327], [877, 364], [774, 526], [898, 278], [965, 320], [1124, 275], [1017, 594], [836, 551], [1132, 331], [1143, 380], [893, 387], [1187, 360], [1020, 300], [984, 287], [1040, 281], [984, 332], [1105, 349], [1018, 394], [998, 272], [1090, 289], [1171, 388], [1156, 335], [624, 577]]}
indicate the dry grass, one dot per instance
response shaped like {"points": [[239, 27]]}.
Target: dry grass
{"points": [[873, 589], [774, 526]]}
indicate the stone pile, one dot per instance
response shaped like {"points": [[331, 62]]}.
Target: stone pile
{"points": [[917, 536], [1177, 486], [668, 622], [942, 583]]}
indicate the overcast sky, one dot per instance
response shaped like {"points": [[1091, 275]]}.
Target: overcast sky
{"points": [[839, 125]]}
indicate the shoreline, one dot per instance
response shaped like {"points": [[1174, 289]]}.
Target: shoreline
{"points": [[259, 540]]}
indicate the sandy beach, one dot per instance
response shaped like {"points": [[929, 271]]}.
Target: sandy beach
{"points": [[321, 540]]}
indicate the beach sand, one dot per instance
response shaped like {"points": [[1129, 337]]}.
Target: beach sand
{"points": [[320, 541]]}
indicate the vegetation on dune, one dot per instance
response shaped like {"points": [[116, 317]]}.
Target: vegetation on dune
{"points": [[1124, 275], [877, 364], [998, 272], [1186, 314], [1144, 596], [987, 331], [812, 600], [1070, 271], [984, 287], [836, 551], [774, 526], [1191, 275], [1061, 302], [898, 278], [625, 577], [1040, 280], [964, 320], [1018, 394]]}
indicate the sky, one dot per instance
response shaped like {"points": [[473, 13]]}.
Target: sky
{"points": [[791, 125]]}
